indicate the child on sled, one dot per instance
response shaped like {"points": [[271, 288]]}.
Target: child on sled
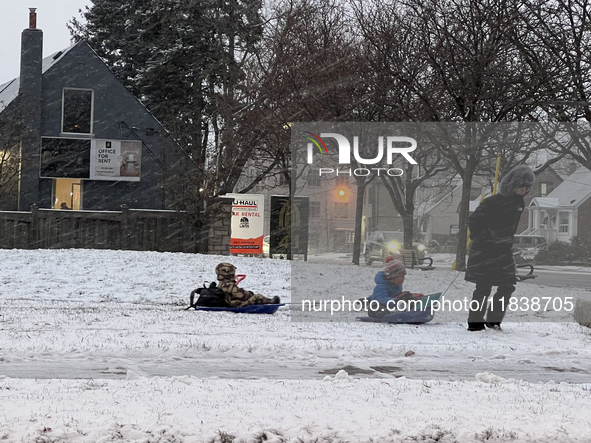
{"points": [[388, 290], [237, 297]]}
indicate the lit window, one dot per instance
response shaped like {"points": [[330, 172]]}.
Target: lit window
{"points": [[545, 189]]}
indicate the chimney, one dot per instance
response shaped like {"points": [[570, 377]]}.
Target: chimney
{"points": [[31, 55], [32, 18], [30, 96]]}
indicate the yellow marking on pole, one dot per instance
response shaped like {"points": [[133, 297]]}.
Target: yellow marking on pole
{"points": [[469, 241], [497, 173]]}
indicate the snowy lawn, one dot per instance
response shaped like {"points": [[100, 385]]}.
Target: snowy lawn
{"points": [[95, 346]]}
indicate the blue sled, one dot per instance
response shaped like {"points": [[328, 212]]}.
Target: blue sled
{"points": [[420, 315], [248, 309]]}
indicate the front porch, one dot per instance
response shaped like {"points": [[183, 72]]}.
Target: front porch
{"points": [[548, 219]]}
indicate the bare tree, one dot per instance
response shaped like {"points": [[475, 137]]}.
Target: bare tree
{"points": [[10, 158], [309, 70], [403, 188], [451, 61], [555, 40]]}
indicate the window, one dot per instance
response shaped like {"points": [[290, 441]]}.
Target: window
{"points": [[544, 219], [341, 210], [67, 194], [342, 180], [314, 209], [313, 178], [314, 241], [564, 221], [424, 226], [77, 111], [546, 188], [65, 158]]}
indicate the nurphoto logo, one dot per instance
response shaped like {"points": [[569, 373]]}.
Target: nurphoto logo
{"points": [[394, 145]]}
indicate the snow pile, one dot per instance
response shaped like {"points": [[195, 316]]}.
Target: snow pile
{"points": [[582, 313], [341, 375], [487, 377]]}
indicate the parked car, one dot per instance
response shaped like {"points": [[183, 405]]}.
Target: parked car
{"points": [[526, 247], [529, 241], [380, 244]]}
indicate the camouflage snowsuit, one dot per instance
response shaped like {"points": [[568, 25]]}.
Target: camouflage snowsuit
{"points": [[237, 297]]}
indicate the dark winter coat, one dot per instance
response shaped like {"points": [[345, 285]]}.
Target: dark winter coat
{"points": [[492, 228]]}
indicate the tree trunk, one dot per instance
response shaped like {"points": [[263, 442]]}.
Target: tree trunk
{"points": [[409, 208], [361, 184], [464, 213]]}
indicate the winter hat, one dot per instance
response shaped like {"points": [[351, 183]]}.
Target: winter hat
{"points": [[520, 176], [393, 267], [225, 271]]}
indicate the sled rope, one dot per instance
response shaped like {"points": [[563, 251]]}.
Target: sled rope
{"points": [[452, 282]]}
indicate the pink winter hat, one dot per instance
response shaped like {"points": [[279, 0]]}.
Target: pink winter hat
{"points": [[393, 267]]}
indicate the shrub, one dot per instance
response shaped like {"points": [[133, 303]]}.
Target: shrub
{"points": [[578, 250]]}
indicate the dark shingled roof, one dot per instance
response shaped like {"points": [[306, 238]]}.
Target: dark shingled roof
{"points": [[9, 90]]}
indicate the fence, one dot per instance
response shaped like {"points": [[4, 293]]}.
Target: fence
{"points": [[131, 229]]}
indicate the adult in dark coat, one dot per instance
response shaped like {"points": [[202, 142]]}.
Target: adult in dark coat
{"points": [[492, 228]]}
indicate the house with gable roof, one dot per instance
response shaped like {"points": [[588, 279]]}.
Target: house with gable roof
{"points": [[565, 212], [80, 138]]}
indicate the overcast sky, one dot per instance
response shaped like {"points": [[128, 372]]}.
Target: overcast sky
{"points": [[52, 16]]}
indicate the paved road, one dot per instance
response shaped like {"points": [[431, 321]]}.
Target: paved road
{"points": [[561, 278], [453, 369]]}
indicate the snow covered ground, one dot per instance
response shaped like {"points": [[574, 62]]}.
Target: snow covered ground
{"points": [[96, 346]]}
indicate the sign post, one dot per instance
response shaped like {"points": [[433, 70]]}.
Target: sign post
{"points": [[289, 226]]}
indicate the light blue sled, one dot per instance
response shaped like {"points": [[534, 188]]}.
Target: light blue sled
{"points": [[421, 314]]}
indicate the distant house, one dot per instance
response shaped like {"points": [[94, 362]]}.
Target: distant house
{"points": [[81, 140], [565, 212], [546, 181], [439, 219]]}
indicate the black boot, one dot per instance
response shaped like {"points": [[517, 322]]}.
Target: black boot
{"points": [[493, 325], [476, 327], [276, 300]]}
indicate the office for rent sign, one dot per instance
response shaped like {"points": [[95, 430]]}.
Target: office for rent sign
{"points": [[115, 160], [248, 216]]}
